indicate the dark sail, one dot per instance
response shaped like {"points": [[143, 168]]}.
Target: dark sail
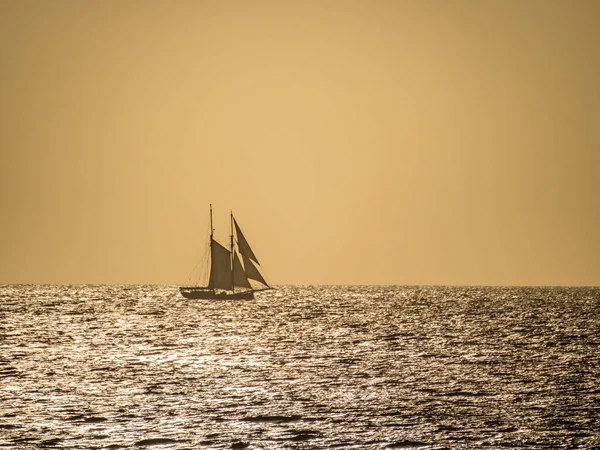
{"points": [[220, 268], [243, 245], [252, 272], [239, 277]]}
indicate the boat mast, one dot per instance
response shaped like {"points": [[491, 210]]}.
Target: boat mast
{"points": [[211, 227], [232, 280], [210, 245]]}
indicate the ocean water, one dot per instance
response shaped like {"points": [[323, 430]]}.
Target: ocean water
{"points": [[91, 367]]}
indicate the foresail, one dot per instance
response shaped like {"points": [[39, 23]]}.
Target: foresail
{"points": [[220, 269], [239, 276], [252, 272], [243, 245]]}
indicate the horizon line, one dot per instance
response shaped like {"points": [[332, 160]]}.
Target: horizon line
{"points": [[323, 284]]}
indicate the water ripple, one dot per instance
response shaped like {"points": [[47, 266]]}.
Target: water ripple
{"points": [[301, 367]]}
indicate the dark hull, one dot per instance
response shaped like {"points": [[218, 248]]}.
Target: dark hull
{"points": [[199, 293]]}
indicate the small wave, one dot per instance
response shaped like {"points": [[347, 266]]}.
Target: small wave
{"points": [[156, 441], [304, 437], [50, 442], [273, 419], [95, 419], [463, 394], [407, 444], [86, 419], [8, 372]]}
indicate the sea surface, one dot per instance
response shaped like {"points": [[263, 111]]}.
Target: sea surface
{"points": [[307, 367]]}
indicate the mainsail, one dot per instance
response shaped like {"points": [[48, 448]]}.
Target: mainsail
{"points": [[245, 249], [239, 276], [251, 271], [220, 268]]}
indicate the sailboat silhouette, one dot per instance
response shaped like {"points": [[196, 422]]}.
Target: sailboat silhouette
{"points": [[226, 270]]}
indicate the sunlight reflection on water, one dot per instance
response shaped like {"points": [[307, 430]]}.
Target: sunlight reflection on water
{"points": [[300, 367]]}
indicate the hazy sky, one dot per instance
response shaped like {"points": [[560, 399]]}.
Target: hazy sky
{"points": [[357, 142]]}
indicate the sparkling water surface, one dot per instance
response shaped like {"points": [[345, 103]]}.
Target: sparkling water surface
{"points": [[300, 367]]}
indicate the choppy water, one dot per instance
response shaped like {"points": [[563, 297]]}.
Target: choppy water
{"points": [[300, 367]]}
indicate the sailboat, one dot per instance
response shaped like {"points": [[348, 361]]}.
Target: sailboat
{"points": [[226, 270]]}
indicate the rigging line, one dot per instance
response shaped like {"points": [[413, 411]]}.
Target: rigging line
{"points": [[189, 277], [204, 266], [188, 280]]}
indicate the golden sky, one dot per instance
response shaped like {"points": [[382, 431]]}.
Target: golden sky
{"points": [[357, 142]]}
